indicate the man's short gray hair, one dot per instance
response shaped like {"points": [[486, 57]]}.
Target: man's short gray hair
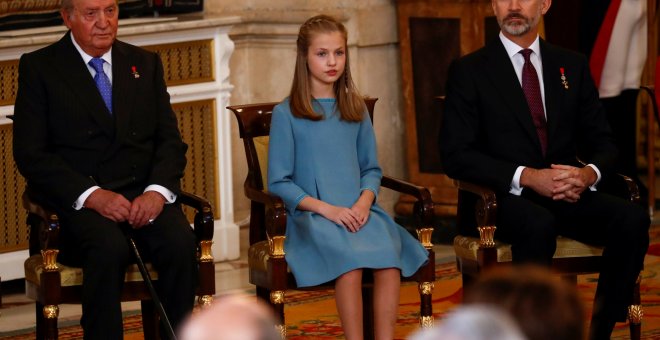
{"points": [[67, 5]]}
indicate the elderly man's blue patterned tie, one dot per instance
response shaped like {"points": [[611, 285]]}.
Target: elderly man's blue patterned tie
{"points": [[102, 82], [532, 90]]}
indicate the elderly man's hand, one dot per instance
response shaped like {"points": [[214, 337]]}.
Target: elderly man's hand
{"points": [[146, 207], [109, 204]]}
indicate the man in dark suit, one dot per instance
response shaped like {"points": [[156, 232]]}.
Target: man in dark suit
{"points": [[96, 138], [519, 113]]}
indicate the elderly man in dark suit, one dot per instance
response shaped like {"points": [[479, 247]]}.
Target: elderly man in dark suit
{"points": [[96, 138], [519, 113]]}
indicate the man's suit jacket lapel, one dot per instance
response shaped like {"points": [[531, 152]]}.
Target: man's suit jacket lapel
{"points": [[123, 89], [75, 74], [503, 76]]}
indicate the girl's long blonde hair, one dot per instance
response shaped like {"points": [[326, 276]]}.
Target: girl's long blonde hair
{"points": [[348, 100]]}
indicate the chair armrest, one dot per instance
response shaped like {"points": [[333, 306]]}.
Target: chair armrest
{"points": [[203, 228], [422, 209], [486, 207], [203, 223], [623, 186], [275, 218], [424, 205], [44, 225], [632, 188], [485, 212]]}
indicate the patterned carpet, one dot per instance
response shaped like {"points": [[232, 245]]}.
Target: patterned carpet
{"points": [[312, 315], [316, 317]]}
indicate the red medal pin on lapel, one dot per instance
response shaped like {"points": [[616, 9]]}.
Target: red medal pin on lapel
{"points": [[136, 75], [563, 78]]}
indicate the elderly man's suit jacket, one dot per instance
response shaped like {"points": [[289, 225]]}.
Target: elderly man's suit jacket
{"points": [[488, 131], [66, 140]]}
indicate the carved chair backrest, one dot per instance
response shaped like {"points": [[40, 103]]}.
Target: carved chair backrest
{"points": [[254, 129]]}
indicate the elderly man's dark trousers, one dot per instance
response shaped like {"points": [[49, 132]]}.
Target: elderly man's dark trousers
{"points": [[99, 246]]}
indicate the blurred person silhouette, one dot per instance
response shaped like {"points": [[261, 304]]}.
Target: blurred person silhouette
{"points": [[544, 306], [232, 317], [473, 322]]}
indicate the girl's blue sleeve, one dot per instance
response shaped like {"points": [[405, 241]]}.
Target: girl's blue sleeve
{"points": [[370, 172], [281, 159]]}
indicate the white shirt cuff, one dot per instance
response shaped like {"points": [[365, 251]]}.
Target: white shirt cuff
{"points": [[170, 197], [80, 202], [593, 186], [516, 189]]}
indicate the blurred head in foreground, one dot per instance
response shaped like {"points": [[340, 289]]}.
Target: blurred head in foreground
{"points": [[473, 322], [544, 306], [232, 318]]}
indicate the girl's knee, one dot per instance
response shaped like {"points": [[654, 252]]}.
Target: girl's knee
{"points": [[387, 272], [355, 274]]}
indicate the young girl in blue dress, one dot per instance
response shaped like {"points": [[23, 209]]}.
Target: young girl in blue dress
{"points": [[323, 164]]}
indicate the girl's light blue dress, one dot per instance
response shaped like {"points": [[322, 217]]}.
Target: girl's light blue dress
{"points": [[333, 160]]}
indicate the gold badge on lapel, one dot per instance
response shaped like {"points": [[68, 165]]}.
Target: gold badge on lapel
{"points": [[134, 72], [563, 78]]}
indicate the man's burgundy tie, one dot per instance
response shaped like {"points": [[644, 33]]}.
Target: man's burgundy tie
{"points": [[532, 90]]}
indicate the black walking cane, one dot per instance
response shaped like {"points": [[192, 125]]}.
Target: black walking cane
{"points": [[150, 285]]}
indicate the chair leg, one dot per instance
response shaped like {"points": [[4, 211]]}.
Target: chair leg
{"points": [[368, 313], [635, 327], [635, 312], [276, 301], [425, 304], [263, 294], [39, 317], [149, 320], [47, 321], [467, 281]]}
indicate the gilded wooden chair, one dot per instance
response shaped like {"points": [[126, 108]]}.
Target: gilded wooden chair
{"points": [[267, 265], [50, 283]]}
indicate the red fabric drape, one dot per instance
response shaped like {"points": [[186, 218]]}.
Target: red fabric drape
{"points": [[599, 52]]}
